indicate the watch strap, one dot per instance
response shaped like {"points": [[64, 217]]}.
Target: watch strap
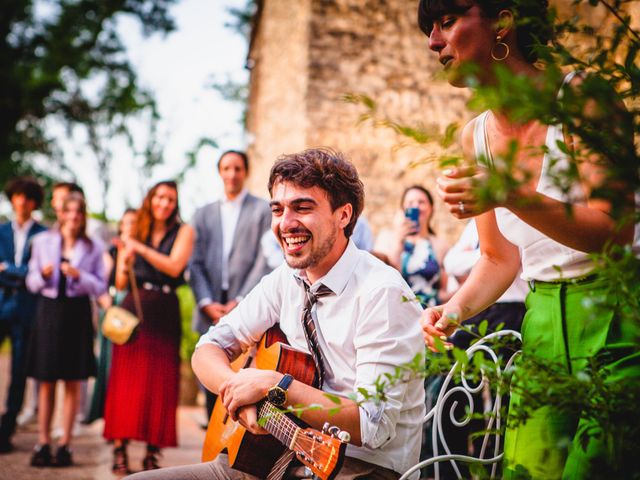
{"points": [[285, 381]]}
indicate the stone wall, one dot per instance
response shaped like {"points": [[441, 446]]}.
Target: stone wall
{"points": [[308, 54], [279, 57]]}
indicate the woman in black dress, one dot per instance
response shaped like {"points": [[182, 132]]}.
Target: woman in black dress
{"points": [[142, 392], [65, 269]]}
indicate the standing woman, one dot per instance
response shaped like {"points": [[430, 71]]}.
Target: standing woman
{"points": [[547, 231], [415, 250], [66, 268], [142, 392], [126, 227]]}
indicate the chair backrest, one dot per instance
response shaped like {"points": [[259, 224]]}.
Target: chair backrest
{"points": [[490, 453]]}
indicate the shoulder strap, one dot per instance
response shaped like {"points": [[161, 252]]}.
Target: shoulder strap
{"points": [[136, 295], [481, 140]]}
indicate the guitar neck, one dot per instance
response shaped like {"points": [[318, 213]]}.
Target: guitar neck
{"points": [[278, 424]]}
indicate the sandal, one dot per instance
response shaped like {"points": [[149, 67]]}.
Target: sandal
{"points": [[120, 461], [150, 461]]}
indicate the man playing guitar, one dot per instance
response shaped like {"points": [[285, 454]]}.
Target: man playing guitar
{"points": [[340, 304]]}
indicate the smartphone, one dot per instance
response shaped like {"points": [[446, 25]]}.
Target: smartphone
{"points": [[413, 214]]}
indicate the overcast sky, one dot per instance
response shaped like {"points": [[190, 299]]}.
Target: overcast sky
{"points": [[179, 69]]}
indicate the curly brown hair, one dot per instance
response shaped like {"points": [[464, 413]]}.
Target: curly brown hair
{"points": [[145, 216], [28, 186], [326, 169]]}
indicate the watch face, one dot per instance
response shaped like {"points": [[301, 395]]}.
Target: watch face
{"points": [[277, 396]]}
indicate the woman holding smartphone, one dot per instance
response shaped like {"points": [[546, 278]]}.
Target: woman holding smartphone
{"points": [[414, 249]]}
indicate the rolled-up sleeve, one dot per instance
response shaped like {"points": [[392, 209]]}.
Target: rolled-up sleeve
{"points": [[379, 353], [244, 325]]}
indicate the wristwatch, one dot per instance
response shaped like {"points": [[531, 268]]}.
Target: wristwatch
{"points": [[277, 395]]}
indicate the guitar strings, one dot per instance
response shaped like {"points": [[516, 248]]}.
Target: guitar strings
{"points": [[283, 426], [284, 429]]}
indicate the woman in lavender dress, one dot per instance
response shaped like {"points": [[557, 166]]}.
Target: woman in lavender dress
{"points": [[66, 268]]}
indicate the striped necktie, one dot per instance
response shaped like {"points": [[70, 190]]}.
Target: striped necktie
{"points": [[309, 327], [311, 334]]}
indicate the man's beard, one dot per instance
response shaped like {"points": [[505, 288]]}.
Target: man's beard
{"points": [[315, 256]]}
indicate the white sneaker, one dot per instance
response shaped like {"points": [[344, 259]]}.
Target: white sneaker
{"points": [[28, 415]]}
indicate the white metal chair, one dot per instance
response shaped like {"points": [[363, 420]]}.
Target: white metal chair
{"points": [[493, 423]]}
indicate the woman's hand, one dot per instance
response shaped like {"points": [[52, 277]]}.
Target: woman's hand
{"points": [[47, 271], [403, 228], [69, 271], [458, 189], [134, 245], [105, 301], [441, 322], [126, 250]]}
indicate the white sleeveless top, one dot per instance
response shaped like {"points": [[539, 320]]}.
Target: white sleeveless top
{"points": [[542, 258]]}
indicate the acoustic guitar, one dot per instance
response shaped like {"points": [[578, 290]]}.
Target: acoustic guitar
{"points": [[321, 451]]}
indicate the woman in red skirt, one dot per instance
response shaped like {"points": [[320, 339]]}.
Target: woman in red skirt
{"points": [[142, 392]]}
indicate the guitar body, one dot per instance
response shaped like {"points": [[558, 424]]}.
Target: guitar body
{"points": [[256, 454]]}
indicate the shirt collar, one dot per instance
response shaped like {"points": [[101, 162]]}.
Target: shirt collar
{"points": [[336, 279], [236, 201], [26, 226]]}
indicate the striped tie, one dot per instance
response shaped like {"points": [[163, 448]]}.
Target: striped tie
{"points": [[311, 334], [309, 327]]}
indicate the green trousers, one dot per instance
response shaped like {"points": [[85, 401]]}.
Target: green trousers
{"points": [[562, 326]]}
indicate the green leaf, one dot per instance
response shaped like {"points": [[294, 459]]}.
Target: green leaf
{"points": [[334, 398], [460, 356], [365, 393], [482, 328], [439, 345]]}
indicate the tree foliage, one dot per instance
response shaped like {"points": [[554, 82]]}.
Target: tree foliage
{"points": [[64, 61]]}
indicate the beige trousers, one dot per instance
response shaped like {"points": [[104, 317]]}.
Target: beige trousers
{"points": [[219, 469]]}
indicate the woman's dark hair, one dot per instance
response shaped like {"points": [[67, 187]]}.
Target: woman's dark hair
{"points": [[532, 24], [427, 193], [326, 169], [145, 215], [27, 186], [77, 197]]}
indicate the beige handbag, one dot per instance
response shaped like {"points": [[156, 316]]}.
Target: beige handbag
{"points": [[120, 325]]}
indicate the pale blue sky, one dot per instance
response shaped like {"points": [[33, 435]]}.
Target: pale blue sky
{"points": [[179, 68]]}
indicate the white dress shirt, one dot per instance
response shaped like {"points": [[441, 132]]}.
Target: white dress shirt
{"points": [[20, 239], [365, 330], [229, 214]]}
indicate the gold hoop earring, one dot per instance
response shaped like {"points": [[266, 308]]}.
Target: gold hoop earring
{"points": [[500, 44]]}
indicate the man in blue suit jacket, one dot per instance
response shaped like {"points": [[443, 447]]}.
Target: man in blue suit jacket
{"points": [[17, 305]]}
